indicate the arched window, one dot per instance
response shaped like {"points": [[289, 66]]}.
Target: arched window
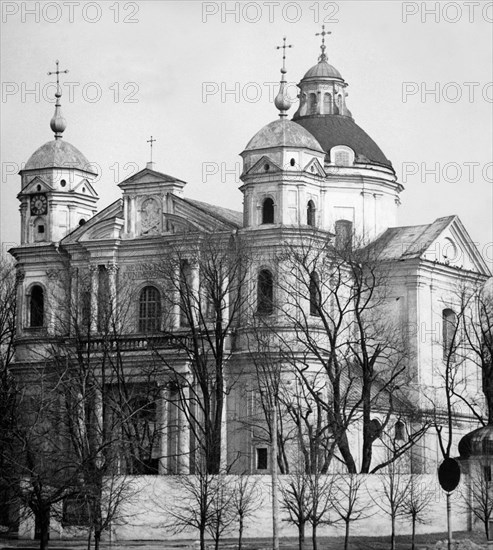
{"points": [[314, 294], [313, 104], [341, 158], [327, 104], [449, 328], [343, 231], [37, 306], [265, 292], [310, 213], [149, 309], [375, 429], [399, 431], [268, 211]]}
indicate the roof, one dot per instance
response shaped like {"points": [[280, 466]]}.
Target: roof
{"points": [[58, 154], [332, 130], [222, 214], [322, 70], [477, 443], [399, 243], [149, 172], [283, 133]]}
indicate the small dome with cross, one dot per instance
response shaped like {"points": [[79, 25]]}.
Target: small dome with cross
{"points": [[323, 70]]}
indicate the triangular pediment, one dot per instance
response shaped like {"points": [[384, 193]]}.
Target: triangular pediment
{"points": [[453, 246], [260, 166], [148, 176], [89, 189], [32, 187], [314, 167]]}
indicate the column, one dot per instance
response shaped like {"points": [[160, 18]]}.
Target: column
{"points": [[112, 272], [125, 213], [225, 312], [163, 429], [183, 458], [194, 283], [224, 432], [133, 215], [51, 305], [93, 316], [176, 310]]}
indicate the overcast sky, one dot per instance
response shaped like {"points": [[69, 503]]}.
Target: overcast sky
{"points": [[199, 76]]}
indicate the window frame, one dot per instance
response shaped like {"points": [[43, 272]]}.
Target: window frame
{"points": [[149, 322]]}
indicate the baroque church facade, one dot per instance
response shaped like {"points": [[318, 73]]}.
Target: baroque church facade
{"points": [[316, 178]]}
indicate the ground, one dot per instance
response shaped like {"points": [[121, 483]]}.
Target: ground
{"points": [[356, 543]]}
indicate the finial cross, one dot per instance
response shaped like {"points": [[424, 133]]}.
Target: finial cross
{"points": [[57, 72], [323, 34], [283, 48], [151, 141]]}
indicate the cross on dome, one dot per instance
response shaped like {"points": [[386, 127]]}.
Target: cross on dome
{"points": [[151, 141], [58, 73], [323, 34], [283, 48], [58, 123]]}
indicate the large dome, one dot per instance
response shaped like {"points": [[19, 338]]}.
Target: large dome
{"points": [[322, 70], [332, 130], [283, 133], [58, 154]]}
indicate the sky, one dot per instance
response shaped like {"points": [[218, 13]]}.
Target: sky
{"points": [[201, 77]]}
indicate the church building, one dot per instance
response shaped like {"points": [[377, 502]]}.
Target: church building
{"points": [[316, 187]]}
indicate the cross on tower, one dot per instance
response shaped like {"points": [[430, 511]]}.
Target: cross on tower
{"points": [[57, 72], [323, 34], [283, 48], [151, 141]]}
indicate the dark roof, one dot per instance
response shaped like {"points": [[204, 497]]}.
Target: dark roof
{"points": [[477, 443], [408, 242], [332, 130], [222, 214]]}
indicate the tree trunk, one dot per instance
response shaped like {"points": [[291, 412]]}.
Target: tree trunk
{"points": [[44, 527], [413, 534], [343, 446], [202, 538], [301, 536], [97, 539], [392, 535], [240, 533], [314, 536], [346, 537]]}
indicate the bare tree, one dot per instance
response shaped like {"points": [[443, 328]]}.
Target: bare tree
{"points": [[392, 496], [206, 277], [246, 500], [203, 504], [297, 503], [8, 390], [478, 500], [347, 502], [416, 503], [347, 350]]}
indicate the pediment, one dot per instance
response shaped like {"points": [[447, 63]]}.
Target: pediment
{"points": [[260, 166], [148, 176], [89, 189], [314, 167], [32, 187], [454, 247], [104, 229]]}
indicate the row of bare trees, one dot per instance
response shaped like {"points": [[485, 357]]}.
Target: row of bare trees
{"points": [[326, 360]]}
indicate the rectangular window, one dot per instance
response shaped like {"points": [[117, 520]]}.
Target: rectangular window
{"points": [[487, 473], [262, 458], [41, 228]]}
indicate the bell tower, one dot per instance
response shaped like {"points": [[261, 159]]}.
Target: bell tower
{"points": [[57, 193]]}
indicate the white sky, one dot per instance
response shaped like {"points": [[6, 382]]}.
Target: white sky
{"points": [[173, 50]]}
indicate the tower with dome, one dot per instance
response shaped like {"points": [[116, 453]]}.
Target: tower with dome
{"points": [[316, 188]]}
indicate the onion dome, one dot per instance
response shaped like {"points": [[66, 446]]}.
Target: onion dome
{"points": [[477, 443], [58, 122], [283, 133]]}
